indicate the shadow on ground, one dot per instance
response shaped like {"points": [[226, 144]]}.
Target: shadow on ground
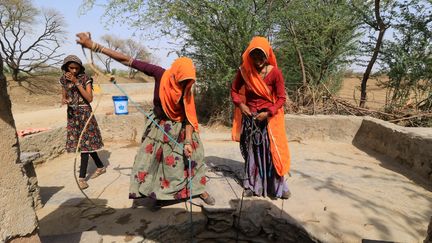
{"points": [[392, 165], [259, 221]]}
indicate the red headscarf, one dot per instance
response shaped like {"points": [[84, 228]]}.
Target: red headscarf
{"points": [[276, 124], [171, 91]]}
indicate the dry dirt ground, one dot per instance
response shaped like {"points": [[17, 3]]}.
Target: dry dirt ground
{"points": [[37, 104], [350, 91], [340, 193]]}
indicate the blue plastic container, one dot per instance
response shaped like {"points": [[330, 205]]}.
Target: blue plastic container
{"points": [[120, 105]]}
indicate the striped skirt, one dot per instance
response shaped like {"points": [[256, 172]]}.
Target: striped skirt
{"points": [[261, 176]]}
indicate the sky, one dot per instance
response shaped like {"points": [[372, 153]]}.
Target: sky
{"points": [[91, 22]]}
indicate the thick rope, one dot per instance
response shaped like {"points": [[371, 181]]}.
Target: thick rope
{"points": [[251, 137], [181, 146], [77, 151], [138, 106]]}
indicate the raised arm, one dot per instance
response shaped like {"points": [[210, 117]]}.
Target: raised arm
{"points": [[147, 68], [85, 41]]}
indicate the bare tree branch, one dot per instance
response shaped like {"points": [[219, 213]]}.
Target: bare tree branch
{"points": [[24, 50]]}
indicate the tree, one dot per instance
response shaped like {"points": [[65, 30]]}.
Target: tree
{"points": [[23, 49], [408, 58], [215, 41], [114, 43], [215, 33], [380, 22], [315, 41]]}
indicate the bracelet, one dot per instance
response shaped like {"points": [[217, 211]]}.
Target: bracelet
{"points": [[187, 141], [78, 85], [93, 47], [97, 47], [130, 62]]}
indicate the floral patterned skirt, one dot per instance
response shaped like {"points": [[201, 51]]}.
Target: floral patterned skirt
{"points": [[76, 119], [160, 170]]}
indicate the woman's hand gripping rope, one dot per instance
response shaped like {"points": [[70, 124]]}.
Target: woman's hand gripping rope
{"points": [[86, 42]]}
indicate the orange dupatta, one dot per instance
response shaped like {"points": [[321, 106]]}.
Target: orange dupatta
{"points": [[170, 92], [276, 124]]}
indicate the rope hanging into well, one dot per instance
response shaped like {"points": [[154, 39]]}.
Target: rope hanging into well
{"points": [[181, 146]]}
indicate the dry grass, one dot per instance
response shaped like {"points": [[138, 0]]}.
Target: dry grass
{"points": [[376, 95]]}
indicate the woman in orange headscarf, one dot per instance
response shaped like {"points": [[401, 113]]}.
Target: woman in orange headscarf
{"points": [[161, 167], [258, 92]]}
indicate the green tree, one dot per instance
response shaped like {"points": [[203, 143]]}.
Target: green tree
{"points": [[408, 57], [23, 49], [216, 40], [378, 20], [315, 41], [213, 33], [318, 34]]}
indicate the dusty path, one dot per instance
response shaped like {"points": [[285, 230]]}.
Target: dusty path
{"points": [[31, 116], [340, 194]]}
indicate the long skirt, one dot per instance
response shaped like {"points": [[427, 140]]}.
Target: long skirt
{"points": [[161, 170], [91, 139], [261, 176]]}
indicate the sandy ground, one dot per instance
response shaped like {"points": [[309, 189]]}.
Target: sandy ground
{"points": [[376, 95], [340, 193], [38, 104], [46, 111]]}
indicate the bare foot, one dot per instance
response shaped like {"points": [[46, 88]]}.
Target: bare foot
{"points": [[207, 198]]}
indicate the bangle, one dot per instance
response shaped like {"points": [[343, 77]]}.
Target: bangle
{"points": [[187, 141], [97, 47], [130, 62]]}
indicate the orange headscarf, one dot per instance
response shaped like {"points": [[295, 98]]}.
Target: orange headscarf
{"points": [[170, 92], [276, 124]]}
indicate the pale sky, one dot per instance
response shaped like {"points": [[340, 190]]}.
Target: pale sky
{"points": [[92, 22]]}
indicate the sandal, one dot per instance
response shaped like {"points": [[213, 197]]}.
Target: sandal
{"points": [[208, 200], [98, 172], [286, 195], [248, 193], [82, 184]]}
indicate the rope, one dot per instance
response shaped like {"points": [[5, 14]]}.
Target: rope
{"points": [[181, 146], [250, 138], [77, 151], [238, 221]]}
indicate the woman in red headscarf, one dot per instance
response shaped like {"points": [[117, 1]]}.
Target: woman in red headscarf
{"points": [[258, 92], [161, 167]]}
